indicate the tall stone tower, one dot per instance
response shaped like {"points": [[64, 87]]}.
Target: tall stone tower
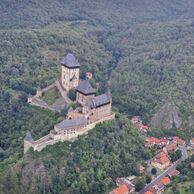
{"points": [[70, 72]]}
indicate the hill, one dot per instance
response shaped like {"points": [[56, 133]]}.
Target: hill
{"points": [[34, 13], [142, 50]]}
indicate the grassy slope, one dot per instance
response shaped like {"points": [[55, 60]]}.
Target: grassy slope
{"points": [[51, 96]]}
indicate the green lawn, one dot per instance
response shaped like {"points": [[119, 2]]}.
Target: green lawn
{"points": [[181, 188], [51, 96]]}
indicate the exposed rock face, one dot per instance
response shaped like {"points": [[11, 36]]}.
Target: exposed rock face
{"points": [[166, 117]]}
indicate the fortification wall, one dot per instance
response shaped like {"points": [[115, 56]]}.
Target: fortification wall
{"points": [[49, 139]]}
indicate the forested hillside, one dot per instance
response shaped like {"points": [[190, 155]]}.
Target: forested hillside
{"points": [[89, 165], [142, 49], [34, 13]]}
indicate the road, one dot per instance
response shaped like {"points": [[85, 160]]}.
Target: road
{"points": [[168, 170]]}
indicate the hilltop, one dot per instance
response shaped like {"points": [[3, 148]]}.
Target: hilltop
{"points": [[142, 51]]}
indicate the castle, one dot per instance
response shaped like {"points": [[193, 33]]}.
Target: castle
{"points": [[90, 111]]}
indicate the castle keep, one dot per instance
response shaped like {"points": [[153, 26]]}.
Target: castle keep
{"points": [[69, 72], [90, 111]]}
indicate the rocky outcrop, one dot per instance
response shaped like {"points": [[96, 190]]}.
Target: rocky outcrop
{"points": [[166, 117]]}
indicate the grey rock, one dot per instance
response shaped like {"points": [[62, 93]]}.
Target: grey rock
{"points": [[166, 117]]}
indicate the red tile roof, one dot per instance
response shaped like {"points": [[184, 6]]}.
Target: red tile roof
{"points": [[174, 173], [152, 140], [122, 189], [179, 140], [171, 147], [161, 158], [148, 192], [166, 180]]}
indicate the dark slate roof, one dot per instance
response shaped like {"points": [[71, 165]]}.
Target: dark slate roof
{"points": [[28, 137], [99, 101], [85, 87], [70, 61], [73, 123]]}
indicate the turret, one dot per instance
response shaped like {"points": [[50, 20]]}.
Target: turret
{"points": [[28, 142]]}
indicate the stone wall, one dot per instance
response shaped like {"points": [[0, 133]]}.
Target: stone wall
{"points": [[82, 99], [51, 139]]}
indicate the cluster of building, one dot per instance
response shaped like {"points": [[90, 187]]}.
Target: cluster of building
{"points": [[91, 110], [166, 146], [138, 123]]}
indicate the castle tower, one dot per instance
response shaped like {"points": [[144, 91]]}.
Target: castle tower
{"points": [[28, 142], [69, 72], [84, 92]]}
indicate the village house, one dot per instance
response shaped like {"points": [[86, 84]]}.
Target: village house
{"points": [[161, 160], [166, 181], [126, 181], [158, 188], [88, 75], [172, 147], [179, 141], [148, 192], [92, 109], [151, 141], [173, 173], [164, 142], [122, 189]]}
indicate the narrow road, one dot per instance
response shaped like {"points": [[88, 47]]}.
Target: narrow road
{"points": [[168, 170], [165, 173]]}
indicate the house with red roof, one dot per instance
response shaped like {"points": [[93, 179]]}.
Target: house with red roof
{"points": [[161, 160], [148, 192], [164, 142], [126, 181], [179, 141], [158, 188], [166, 181], [122, 189], [151, 141], [173, 173], [88, 75], [172, 147]]}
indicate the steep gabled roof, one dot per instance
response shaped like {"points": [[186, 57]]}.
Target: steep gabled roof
{"points": [[70, 61], [85, 87], [73, 123], [100, 100]]}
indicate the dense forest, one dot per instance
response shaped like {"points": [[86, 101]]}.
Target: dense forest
{"points": [[89, 165], [141, 49]]}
